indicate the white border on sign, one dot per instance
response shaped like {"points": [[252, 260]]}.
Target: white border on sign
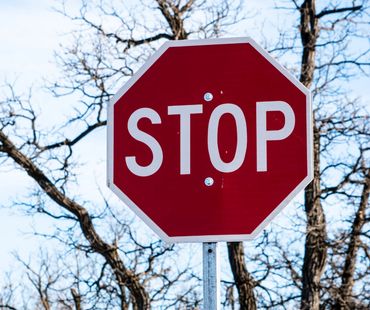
{"points": [[209, 238]]}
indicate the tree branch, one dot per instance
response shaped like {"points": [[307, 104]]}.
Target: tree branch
{"points": [[339, 10], [69, 142], [125, 277]]}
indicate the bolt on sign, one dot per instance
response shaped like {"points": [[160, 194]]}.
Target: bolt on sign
{"points": [[209, 140]]}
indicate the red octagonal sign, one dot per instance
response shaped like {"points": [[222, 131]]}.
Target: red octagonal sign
{"points": [[209, 140]]}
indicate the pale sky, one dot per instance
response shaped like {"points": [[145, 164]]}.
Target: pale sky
{"points": [[28, 35]]}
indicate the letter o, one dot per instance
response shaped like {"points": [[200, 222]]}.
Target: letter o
{"points": [[241, 132]]}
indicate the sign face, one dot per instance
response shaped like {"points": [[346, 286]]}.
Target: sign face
{"points": [[209, 140]]}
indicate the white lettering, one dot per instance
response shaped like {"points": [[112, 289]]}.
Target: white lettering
{"points": [[185, 111], [264, 135], [147, 139], [241, 141]]}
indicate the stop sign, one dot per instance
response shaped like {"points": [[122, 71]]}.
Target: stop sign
{"points": [[209, 140]]}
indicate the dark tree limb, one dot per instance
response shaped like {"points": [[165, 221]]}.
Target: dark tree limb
{"points": [[339, 10], [315, 243], [124, 276], [76, 299], [242, 278], [5, 306], [71, 142], [173, 15], [347, 279]]}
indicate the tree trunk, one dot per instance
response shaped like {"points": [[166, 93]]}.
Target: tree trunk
{"points": [[243, 280], [315, 243]]}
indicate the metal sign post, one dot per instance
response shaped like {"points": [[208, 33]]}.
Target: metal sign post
{"points": [[211, 276]]}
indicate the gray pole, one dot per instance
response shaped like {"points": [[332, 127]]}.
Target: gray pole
{"points": [[211, 276]]}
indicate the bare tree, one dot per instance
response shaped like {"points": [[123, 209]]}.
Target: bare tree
{"points": [[316, 233], [326, 60], [326, 128], [125, 271], [99, 59], [345, 297]]}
